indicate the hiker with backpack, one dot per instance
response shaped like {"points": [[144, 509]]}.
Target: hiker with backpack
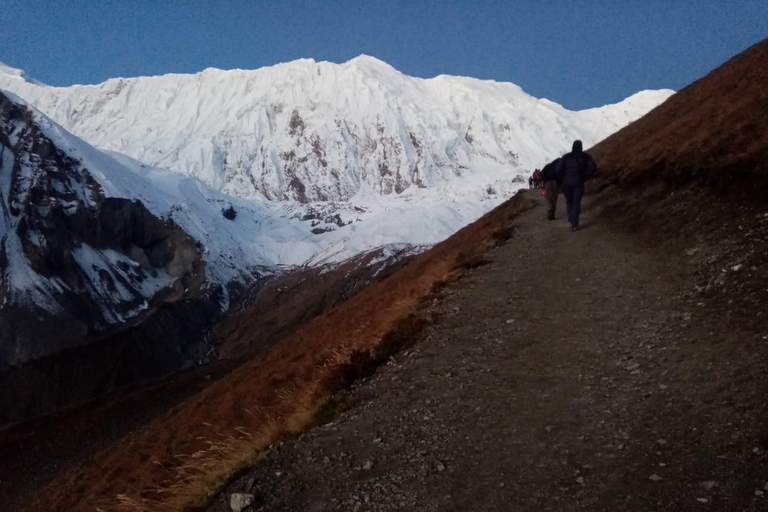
{"points": [[573, 170], [551, 187], [537, 178]]}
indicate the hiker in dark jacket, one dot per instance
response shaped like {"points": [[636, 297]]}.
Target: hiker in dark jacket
{"points": [[573, 170], [551, 187]]}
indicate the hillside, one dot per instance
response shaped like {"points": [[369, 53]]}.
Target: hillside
{"points": [[623, 367], [282, 390], [593, 382], [713, 133], [515, 364], [695, 169]]}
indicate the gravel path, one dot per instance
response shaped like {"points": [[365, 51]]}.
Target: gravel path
{"points": [[572, 372]]}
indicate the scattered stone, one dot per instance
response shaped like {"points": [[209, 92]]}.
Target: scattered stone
{"points": [[661, 442], [440, 466], [655, 478], [377, 440], [758, 492], [766, 486], [510, 321], [548, 428], [702, 500], [708, 484], [736, 268], [240, 501], [249, 485], [368, 465], [326, 460], [580, 480], [693, 251], [621, 446]]}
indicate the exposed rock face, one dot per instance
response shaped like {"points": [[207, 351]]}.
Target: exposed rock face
{"points": [[76, 265]]}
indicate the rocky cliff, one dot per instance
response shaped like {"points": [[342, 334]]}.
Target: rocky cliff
{"points": [[76, 263]]}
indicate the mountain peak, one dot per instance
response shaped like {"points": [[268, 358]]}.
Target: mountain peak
{"points": [[364, 60], [5, 69]]}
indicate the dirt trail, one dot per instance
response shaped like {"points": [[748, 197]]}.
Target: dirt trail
{"points": [[570, 373]]}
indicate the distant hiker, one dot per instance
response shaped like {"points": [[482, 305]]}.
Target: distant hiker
{"points": [[530, 182], [551, 187], [573, 170], [537, 178]]}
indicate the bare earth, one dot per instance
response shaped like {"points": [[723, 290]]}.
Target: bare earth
{"points": [[575, 371]]}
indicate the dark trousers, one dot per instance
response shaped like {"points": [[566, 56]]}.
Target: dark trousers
{"points": [[573, 194], [551, 190]]}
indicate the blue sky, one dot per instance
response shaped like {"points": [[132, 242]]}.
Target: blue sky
{"points": [[580, 54]]}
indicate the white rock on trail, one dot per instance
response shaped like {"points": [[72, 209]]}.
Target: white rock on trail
{"points": [[239, 501]]}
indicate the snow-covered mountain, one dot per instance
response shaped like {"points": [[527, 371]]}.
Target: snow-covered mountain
{"points": [[316, 131], [314, 163], [92, 242], [303, 163], [88, 244]]}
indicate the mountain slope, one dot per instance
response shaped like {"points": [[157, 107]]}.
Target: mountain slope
{"points": [[112, 272], [91, 244], [696, 170], [73, 254], [316, 131]]}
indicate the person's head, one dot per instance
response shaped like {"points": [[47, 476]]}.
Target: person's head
{"points": [[577, 146]]}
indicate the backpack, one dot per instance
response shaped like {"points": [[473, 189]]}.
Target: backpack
{"points": [[590, 169]]}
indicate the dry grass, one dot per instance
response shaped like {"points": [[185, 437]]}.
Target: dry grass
{"points": [[179, 461], [712, 133]]}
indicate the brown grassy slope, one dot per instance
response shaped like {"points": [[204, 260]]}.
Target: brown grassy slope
{"points": [[291, 300], [177, 461], [276, 309], [713, 132]]}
